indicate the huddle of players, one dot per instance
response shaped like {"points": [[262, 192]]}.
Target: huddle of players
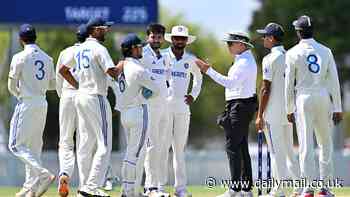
{"points": [[151, 91], [151, 97]]}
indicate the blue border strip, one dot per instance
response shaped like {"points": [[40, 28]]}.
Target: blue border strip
{"points": [[104, 118], [14, 127]]}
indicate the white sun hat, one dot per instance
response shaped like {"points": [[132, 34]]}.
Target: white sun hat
{"points": [[238, 36], [180, 30]]}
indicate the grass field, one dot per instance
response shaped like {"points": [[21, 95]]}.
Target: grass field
{"points": [[197, 191]]}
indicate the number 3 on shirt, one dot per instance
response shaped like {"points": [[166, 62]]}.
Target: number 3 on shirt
{"points": [[40, 72], [313, 65]]}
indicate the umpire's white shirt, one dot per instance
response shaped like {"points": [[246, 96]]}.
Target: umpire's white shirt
{"points": [[312, 66], [241, 80], [273, 69], [63, 88], [92, 60], [34, 70], [130, 83], [159, 69], [180, 79]]}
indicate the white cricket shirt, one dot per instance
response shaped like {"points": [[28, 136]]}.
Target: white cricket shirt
{"points": [[273, 69], [34, 69], [92, 60], [241, 80], [160, 71], [130, 83], [311, 65], [63, 88], [180, 79]]}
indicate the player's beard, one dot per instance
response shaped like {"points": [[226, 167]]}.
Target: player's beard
{"points": [[179, 46], [155, 45]]}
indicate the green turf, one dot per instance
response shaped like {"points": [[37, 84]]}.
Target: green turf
{"points": [[197, 191]]}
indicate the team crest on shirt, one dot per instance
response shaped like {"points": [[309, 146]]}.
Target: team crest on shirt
{"points": [[186, 65], [154, 62], [266, 70]]}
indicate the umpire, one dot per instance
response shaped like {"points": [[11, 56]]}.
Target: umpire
{"points": [[241, 104]]}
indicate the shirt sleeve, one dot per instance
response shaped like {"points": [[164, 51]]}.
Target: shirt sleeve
{"points": [[267, 69], [197, 80], [238, 76], [16, 67], [333, 84], [67, 60], [104, 59], [289, 84]]}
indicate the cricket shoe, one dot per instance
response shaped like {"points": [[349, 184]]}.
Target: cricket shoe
{"points": [[307, 194], [22, 192], [86, 192], [63, 186], [108, 186], [44, 184], [230, 193], [155, 193], [183, 193], [325, 193]]}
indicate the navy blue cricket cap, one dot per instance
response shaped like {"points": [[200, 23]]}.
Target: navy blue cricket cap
{"points": [[272, 29], [82, 31], [27, 30], [131, 40], [302, 23], [98, 21]]}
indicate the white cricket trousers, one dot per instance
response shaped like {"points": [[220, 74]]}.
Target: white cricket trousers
{"points": [[25, 139], [68, 125], [159, 118], [176, 136], [135, 124], [284, 163], [95, 139], [314, 116]]}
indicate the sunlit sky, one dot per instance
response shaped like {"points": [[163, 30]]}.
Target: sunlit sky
{"points": [[217, 16]]}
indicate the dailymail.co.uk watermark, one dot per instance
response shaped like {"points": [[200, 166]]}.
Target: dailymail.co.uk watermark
{"points": [[212, 182]]}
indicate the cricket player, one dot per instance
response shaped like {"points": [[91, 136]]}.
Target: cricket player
{"points": [[278, 131], [94, 65], [131, 98], [153, 61], [67, 116], [31, 74], [312, 93], [182, 65]]}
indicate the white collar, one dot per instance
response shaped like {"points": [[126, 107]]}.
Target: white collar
{"points": [[308, 41], [278, 48], [92, 39], [132, 59], [172, 55], [149, 48], [244, 54], [30, 46]]}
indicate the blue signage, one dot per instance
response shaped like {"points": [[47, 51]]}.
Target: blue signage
{"points": [[67, 12]]}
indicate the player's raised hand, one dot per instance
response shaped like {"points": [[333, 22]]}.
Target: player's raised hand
{"points": [[337, 117], [202, 65]]}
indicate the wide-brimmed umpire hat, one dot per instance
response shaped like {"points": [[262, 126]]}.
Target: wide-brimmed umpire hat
{"points": [[238, 36], [131, 40], [303, 23], [272, 29], [27, 31]]}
